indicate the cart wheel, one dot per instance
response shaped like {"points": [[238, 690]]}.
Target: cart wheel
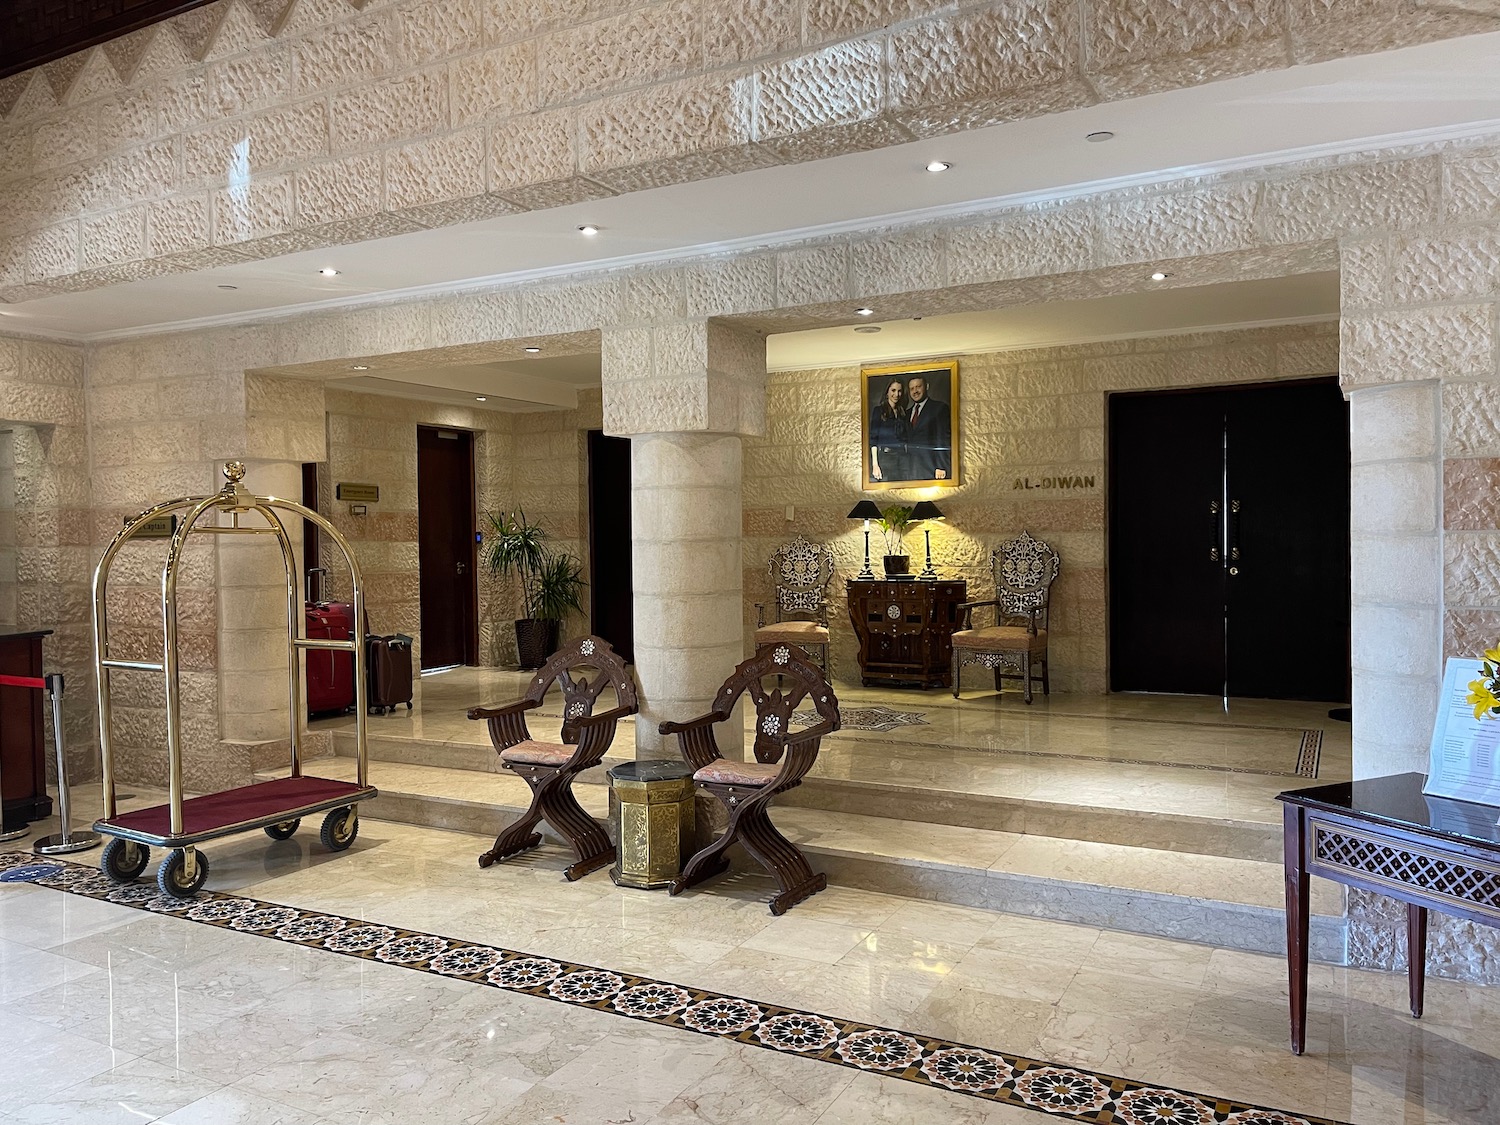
{"points": [[340, 827], [170, 879], [283, 831], [123, 860], [408, 704]]}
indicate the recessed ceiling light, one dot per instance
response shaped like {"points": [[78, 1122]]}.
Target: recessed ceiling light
{"points": [[588, 230], [480, 398], [938, 166], [360, 367], [864, 312], [229, 287], [1099, 137], [1158, 276], [329, 271], [867, 328], [532, 351]]}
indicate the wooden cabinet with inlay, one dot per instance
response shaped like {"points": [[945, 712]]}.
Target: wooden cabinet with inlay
{"points": [[904, 630]]}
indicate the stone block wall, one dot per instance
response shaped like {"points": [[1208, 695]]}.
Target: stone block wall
{"points": [[1027, 419], [252, 128]]}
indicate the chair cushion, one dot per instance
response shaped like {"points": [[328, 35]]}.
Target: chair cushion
{"points": [[1001, 638], [797, 632], [537, 753], [725, 772]]}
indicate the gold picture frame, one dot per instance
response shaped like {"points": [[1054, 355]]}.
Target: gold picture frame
{"points": [[906, 445]]}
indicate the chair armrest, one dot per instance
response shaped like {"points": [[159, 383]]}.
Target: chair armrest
{"points": [[505, 709], [800, 753], [966, 611], [692, 724], [612, 716]]}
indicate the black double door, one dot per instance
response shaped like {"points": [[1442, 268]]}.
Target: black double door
{"points": [[446, 551], [1229, 541]]}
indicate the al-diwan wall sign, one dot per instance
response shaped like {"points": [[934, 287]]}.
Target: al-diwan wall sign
{"points": [[1067, 483]]}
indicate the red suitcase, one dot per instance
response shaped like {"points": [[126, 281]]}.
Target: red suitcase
{"points": [[330, 675]]}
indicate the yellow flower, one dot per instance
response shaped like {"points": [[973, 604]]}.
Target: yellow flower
{"points": [[1493, 654], [1482, 697]]}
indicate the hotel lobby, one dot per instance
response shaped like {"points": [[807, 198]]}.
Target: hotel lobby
{"points": [[1071, 426]]}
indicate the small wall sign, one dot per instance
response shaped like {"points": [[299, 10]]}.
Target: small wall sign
{"points": [[1063, 482], [364, 493], [157, 527]]}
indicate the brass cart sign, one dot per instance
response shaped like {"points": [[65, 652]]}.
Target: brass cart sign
{"points": [[359, 493], [158, 527]]}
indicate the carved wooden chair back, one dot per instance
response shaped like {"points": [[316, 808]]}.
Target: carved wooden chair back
{"points": [[1025, 568], [801, 679], [579, 692], [800, 572]]}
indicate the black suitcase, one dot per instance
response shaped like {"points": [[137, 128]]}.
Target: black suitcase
{"points": [[388, 665]]}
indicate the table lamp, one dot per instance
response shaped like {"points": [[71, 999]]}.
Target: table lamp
{"points": [[925, 510], [867, 511]]}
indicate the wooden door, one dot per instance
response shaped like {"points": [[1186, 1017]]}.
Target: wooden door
{"points": [[446, 547], [1229, 541], [1166, 581], [611, 592], [1287, 579]]}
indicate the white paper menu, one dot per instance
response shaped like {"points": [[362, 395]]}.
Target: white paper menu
{"points": [[1464, 760]]}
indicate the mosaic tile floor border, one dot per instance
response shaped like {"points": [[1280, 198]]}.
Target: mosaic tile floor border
{"points": [[1067, 1092], [1205, 766], [1310, 753]]}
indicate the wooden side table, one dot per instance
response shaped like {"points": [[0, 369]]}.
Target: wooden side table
{"points": [[1383, 834], [904, 629]]}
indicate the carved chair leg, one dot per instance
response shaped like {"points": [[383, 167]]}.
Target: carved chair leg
{"points": [[707, 863], [589, 840], [1046, 679], [1026, 673], [954, 661], [519, 835], [999, 674], [780, 857]]}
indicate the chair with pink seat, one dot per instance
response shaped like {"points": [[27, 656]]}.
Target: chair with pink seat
{"points": [[548, 767], [782, 759]]}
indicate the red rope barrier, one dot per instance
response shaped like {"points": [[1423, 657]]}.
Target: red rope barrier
{"points": [[23, 681]]}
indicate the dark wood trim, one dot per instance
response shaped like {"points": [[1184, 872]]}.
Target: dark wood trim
{"points": [[33, 32]]}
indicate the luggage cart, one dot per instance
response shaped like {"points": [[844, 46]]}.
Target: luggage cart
{"points": [[276, 806]]}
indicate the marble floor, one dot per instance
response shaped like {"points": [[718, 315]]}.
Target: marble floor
{"points": [[1151, 753], [114, 1014]]}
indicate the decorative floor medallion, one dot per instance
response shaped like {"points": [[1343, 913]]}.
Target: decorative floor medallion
{"points": [[1058, 1091], [873, 717]]}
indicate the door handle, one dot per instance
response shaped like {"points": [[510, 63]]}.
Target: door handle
{"points": [[1213, 512], [463, 567]]}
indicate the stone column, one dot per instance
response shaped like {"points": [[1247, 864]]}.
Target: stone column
{"points": [[1396, 567], [684, 393]]}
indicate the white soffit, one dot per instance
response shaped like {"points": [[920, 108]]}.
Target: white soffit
{"points": [[1239, 304], [1420, 93]]}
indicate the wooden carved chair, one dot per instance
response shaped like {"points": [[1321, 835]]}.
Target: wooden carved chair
{"points": [[549, 768], [782, 759], [800, 572], [1025, 569]]}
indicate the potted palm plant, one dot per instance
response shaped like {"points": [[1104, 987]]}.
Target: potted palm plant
{"points": [[551, 582], [894, 522]]}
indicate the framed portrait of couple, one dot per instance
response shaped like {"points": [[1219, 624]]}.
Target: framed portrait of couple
{"points": [[910, 424]]}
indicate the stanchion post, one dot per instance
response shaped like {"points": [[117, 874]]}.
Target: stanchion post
{"points": [[67, 840]]}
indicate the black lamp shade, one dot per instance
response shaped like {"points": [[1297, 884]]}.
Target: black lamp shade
{"points": [[926, 510], [865, 510]]}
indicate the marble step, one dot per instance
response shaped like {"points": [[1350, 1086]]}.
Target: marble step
{"points": [[1218, 900], [915, 801]]}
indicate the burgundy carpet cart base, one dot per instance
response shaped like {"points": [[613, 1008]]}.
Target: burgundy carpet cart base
{"points": [[276, 806]]}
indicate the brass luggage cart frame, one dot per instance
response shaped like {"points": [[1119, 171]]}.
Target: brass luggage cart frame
{"points": [[276, 806]]}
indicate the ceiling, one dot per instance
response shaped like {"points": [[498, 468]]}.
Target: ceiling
{"points": [[538, 383], [1438, 89]]}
